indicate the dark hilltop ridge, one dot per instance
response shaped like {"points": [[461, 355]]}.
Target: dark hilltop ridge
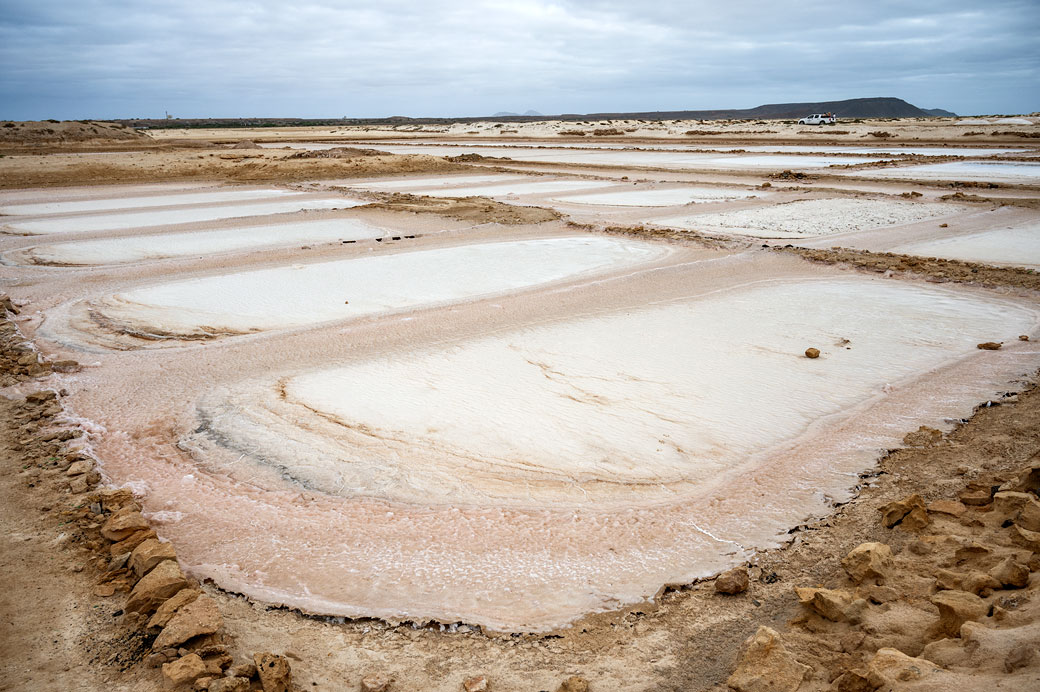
{"points": [[881, 107]]}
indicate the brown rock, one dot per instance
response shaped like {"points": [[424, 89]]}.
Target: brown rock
{"points": [[951, 507], [150, 553], [202, 683], [979, 583], [916, 520], [243, 670], [956, 608], [171, 605], [375, 682], [123, 523], [812, 353], [478, 683], [853, 681], [1026, 538], [892, 666], [1021, 509], [232, 684], [115, 499], [274, 672], [894, 512], [201, 616], [155, 587], [1023, 337], [1011, 574], [78, 485], [990, 346], [574, 683], [78, 468], [829, 603], [128, 544], [922, 437], [868, 561], [184, 670], [732, 581], [976, 497], [766, 666]]}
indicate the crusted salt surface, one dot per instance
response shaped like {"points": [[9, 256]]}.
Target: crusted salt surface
{"points": [[145, 219], [167, 245], [517, 188], [78, 206], [300, 295], [1019, 246], [808, 218], [446, 180], [1006, 171], [523, 479], [658, 198]]}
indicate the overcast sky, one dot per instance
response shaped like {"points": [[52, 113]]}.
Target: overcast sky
{"points": [[71, 59]]}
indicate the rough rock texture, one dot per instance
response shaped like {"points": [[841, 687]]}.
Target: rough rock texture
{"points": [[955, 608], [232, 684], [375, 682], [123, 523], [155, 587], [166, 611], [184, 670], [201, 616], [812, 353], [150, 553], [477, 683], [828, 603], [732, 581], [274, 672], [868, 561], [574, 683], [766, 666]]}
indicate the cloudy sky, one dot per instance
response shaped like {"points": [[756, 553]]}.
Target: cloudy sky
{"points": [[70, 59]]}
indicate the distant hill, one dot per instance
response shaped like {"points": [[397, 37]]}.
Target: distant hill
{"points": [[882, 107], [939, 113], [508, 114]]}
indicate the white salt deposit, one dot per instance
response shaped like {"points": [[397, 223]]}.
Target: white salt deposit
{"points": [[1013, 121], [167, 245], [1004, 246], [145, 219], [522, 479], [1004, 171], [142, 202], [519, 188], [440, 181], [658, 198], [308, 294], [808, 218]]}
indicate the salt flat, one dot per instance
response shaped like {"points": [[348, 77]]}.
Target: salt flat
{"points": [[1008, 171], [659, 198], [166, 200], [169, 245], [145, 219], [808, 218], [1019, 246], [410, 183], [299, 295], [518, 188]]}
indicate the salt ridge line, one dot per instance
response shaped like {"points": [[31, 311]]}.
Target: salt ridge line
{"points": [[169, 200]]}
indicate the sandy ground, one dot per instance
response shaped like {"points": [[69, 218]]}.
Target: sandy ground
{"points": [[58, 634]]}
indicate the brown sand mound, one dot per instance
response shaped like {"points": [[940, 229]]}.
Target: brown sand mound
{"points": [[338, 153], [53, 131], [259, 165], [475, 209], [246, 144]]}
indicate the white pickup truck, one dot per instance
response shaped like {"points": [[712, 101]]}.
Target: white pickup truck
{"points": [[818, 119]]}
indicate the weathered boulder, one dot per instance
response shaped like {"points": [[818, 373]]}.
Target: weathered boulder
{"points": [[1026, 538], [122, 523], [150, 553], [1011, 574], [976, 495], [956, 608], [243, 670], [128, 544], [766, 666], [1021, 509], [375, 682], [896, 512], [922, 437], [78, 468], [732, 581], [829, 603], [812, 353], [951, 507], [893, 666], [201, 616], [274, 672], [184, 670], [171, 605], [871, 561], [164, 581]]}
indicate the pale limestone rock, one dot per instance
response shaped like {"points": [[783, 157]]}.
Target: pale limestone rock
{"points": [[150, 553], [766, 666], [164, 581], [829, 603], [868, 561], [957, 607], [123, 523], [201, 616]]}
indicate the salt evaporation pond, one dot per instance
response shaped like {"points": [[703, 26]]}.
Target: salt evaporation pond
{"points": [[1018, 247], [521, 480], [521, 188], [145, 219], [299, 295], [170, 245], [658, 198], [1005, 171], [808, 218], [166, 200], [442, 181]]}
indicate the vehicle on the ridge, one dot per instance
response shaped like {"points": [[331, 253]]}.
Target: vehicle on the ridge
{"points": [[818, 119]]}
